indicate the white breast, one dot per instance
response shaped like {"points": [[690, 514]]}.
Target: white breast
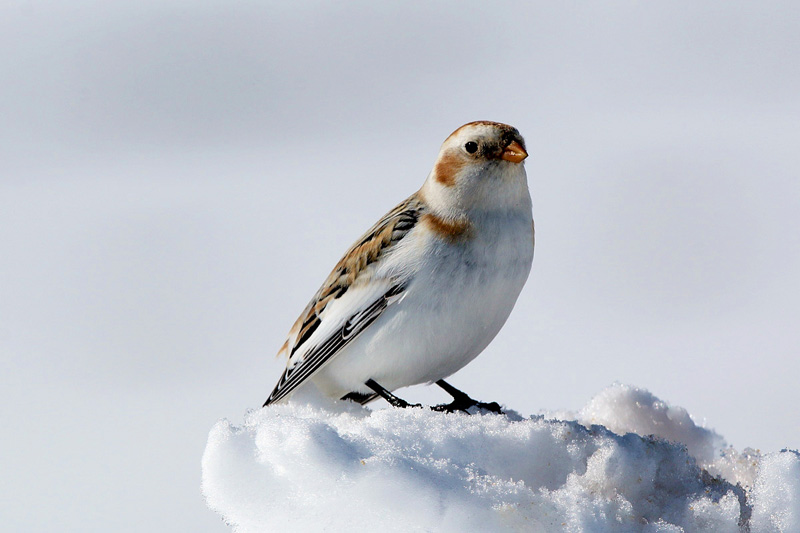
{"points": [[457, 301]]}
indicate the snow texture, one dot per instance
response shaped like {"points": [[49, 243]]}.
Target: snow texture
{"points": [[626, 462]]}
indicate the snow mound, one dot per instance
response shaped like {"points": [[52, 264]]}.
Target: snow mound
{"points": [[341, 467]]}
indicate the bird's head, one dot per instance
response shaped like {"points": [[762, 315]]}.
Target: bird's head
{"points": [[480, 167]]}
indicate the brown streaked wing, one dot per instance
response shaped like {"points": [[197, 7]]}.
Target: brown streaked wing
{"points": [[368, 249]]}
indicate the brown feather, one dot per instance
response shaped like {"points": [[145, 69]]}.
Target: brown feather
{"points": [[447, 168], [499, 125], [452, 230], [354, 267]]}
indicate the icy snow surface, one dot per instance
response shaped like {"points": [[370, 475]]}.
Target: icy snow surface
{"points": [[626, 462]]}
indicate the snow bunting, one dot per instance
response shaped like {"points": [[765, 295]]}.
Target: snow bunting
{"points": [[428, 287]]}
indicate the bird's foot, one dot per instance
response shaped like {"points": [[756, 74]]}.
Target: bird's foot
{"points": [[493, 407], [462, 402], [399, 402], [393, 400], [459, 405]]}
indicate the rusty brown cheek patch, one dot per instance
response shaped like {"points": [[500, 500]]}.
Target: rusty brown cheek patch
{"points": [[451, 230], [446, 169]]}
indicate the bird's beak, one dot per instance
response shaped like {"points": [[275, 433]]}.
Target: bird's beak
{"points": [[514, 153]]}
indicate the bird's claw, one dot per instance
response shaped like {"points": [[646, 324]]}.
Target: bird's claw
{"points": [[494, 407], [404, 404], [461, 405]]}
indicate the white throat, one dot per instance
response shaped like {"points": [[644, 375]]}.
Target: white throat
{"points": [[493, 187]]}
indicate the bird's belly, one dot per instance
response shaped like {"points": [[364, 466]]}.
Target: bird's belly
{"points": [[445, 319]]}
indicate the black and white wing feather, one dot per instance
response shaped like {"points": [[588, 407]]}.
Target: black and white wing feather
{"points": [[353, 297], [315, 358]]}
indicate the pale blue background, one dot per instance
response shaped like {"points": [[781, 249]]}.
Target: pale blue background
{"points": [[177, 178]]}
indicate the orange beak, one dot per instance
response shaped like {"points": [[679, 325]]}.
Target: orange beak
{"points": [[514, 153]]}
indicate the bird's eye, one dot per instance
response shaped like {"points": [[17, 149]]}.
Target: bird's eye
{"points": [[471, 147]]}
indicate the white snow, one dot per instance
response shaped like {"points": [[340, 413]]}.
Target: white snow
{"points": [[626, 462]]}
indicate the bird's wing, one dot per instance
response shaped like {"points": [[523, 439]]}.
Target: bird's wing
{"points": [[354, 295]]}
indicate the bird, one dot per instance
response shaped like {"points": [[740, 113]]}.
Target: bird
{"points": [[428, 287]]}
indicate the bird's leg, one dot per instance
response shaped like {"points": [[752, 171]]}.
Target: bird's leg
{"points": [[388, 396], [462, 402]]}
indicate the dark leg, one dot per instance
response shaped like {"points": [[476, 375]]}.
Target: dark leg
{"points": [[462, 402], [388, 396], [358, 397]]}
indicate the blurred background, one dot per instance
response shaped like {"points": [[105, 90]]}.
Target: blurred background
{"points": [[177, 178]]}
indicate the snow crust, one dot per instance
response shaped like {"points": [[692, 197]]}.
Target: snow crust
{"points": [[626, 462]]}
